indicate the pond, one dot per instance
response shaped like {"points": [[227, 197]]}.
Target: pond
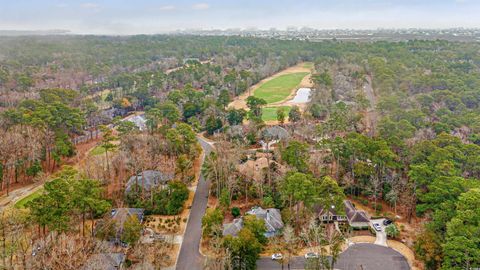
{"points": [[302, 96]]}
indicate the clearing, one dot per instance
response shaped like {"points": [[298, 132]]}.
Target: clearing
{"points": [[305, 68], [270, 113], [279, 88]]}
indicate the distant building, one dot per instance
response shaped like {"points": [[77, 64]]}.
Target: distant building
{"points": [[139, 120], [148, 180], [356, 218], [105, 261]]}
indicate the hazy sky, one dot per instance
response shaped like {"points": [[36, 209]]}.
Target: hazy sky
{"points": [[156, 16]]}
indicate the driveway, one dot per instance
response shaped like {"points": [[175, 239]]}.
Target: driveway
{"points": [[189, 257], [381, 238], [358, 256]]}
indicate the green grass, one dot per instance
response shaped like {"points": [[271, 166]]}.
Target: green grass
{"points": [[280, 87], [21, 203], [270, 113], [308, 65], [98, 150]]}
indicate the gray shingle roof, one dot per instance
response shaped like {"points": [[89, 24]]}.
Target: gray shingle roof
{"points": [[233, 228], [148, 179], [120, 215], [139, 120], [104, 261], [275, 133], [271, 216]]}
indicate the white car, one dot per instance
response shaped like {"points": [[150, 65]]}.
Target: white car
{"points": [[277, 256], [311, 255], [377, 227]]}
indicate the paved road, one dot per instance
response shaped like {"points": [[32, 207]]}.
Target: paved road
{"points": [[189, 257], [18, 194], [358, 256]]}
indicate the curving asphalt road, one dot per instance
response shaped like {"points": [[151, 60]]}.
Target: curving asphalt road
{"points": [[358, 256], [189, 257]]}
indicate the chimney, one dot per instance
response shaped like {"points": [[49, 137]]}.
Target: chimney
{"points": [[268, 214]]}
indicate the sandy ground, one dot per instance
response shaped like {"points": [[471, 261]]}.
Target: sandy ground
{"points": [[240, 103]]}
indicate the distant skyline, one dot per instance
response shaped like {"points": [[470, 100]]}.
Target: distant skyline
{"points": [[127, 17]]}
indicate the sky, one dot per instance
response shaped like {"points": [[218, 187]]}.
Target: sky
{"points": [[127, 17]]}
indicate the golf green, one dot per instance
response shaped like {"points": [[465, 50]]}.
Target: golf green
{"points": [[279, 88]]}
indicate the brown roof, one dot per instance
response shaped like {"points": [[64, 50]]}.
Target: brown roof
{"points": [[354, 215], [320, 210]]}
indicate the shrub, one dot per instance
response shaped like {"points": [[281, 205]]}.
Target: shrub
{"points": [[364, 202], [225, 198], [235, 212], [267, 202], [378, 207], [392, 231], [168, 201], [213, 218]]}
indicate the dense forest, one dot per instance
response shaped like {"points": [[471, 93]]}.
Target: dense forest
{"points": [[411, 143]]}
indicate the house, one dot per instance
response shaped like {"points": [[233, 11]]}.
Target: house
{"points": [[105, 261], [118, 217], [272, 218], [277, 133], [256, 165], [327, 215], [148, 180], [233, 228], [356, 218], [139, 120]]}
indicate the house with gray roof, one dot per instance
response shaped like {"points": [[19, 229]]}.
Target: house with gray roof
{"points": [[233, 228], [105, 261], [148, 180], [272, 218], [356, 218], [139, 120], [116, 220], [274, 133]]}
